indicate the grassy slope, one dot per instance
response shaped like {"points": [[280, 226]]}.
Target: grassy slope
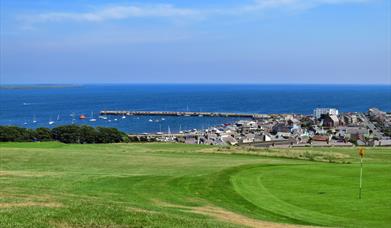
{"points": [[52, 184]]}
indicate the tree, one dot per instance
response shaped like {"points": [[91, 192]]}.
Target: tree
{"points": [[16, 134], [109, 135], [88, 134], [8, 134], [67, 134], [43, 134]]}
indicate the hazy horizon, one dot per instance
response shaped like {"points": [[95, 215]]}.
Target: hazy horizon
{"points": [[182, 83]]}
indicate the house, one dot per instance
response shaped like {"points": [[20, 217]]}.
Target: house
{"points": [[283, 135], [376, 115], [191, 140], [352, 133], [228, 139], [350, 119], [304, 138], [318, 112], [329, 120], [248, 138], [265, 137], [281, 127]]}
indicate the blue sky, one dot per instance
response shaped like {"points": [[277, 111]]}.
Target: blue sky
{"points": [[250, 41]]}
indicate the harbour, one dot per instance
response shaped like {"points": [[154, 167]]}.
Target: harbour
{"points": [[172, 113], [151, 108]]}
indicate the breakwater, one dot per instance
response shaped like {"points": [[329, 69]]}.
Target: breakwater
{"points": [[168, 113]]}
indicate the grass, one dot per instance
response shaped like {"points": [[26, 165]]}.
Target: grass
{"points": [[175, 185]]}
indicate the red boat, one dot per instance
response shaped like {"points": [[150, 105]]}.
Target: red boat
{"points": [[82, 117]]}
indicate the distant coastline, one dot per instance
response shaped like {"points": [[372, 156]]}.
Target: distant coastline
{"points": [[38, 86]]}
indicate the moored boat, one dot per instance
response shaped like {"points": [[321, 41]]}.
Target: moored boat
{"points": [[92, 117]]}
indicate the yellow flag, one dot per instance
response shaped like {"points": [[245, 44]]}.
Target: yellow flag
{"points": [[361, 152]]}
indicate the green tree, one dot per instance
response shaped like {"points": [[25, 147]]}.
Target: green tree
{"points": [[16, 134], [43, 134], [88, 134], [109, 135], [67, 134]]}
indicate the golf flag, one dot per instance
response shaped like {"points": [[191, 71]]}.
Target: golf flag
{"points": [[361, 152]]}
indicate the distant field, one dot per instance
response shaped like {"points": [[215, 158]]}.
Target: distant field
{"points": [[177, 185]]}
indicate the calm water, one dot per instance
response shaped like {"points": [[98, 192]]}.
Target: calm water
{"points": [[19, 106]]}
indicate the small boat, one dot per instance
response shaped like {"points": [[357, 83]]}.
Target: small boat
{"points": [[123, 117], [25, 123], [103, 117], [150, 120], [82, 117], [116, 119], [157, 121], [163, 119], [92, 117], [34, 119], [51, 122], [109, 121]]}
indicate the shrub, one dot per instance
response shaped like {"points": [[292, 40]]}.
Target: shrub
{"points": [[65, 134], [43, 134], [16, 134]]}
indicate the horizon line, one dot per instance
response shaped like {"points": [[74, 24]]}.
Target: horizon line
{"points": [[192, 83]]}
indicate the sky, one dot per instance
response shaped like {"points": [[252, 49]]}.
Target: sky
{"points": [[203, 41]]}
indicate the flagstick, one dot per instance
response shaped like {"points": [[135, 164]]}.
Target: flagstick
{"points": [[359, 195]]}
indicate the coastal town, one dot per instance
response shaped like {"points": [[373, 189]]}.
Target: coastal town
{"points": [[325, 127]]}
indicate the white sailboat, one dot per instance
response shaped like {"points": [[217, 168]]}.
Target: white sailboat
{"points": [[123, 116], [58, 117], [34, 119], [51, 122], [160, 130], [92, 117], [180, 129]]}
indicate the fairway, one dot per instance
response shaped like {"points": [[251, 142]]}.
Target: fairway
{"points": [[176, 185]]}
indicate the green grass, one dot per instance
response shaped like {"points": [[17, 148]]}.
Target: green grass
{"points": [[170, 185]]}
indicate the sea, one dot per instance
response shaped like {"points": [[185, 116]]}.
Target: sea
{"points": [[21, 105]]}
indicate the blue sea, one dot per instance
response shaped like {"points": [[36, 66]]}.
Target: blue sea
{"points": [[20, 106]]}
